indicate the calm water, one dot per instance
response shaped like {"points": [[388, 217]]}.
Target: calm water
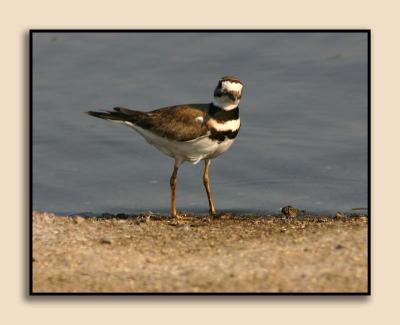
{"points": [[304, 113]]}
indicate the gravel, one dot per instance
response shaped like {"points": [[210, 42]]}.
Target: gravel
{"points": [[234, 253]]}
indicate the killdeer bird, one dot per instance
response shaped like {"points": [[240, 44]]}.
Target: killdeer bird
{"points": [[189, 132]]}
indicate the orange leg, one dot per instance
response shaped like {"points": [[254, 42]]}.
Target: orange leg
{"points": [[206, 183], [172, 183]]}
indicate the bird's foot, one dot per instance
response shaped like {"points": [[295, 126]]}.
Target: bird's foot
{"points": [[177, 216], [212, 215]]}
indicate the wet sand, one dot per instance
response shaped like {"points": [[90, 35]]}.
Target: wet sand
{"points": [[230, 254]]}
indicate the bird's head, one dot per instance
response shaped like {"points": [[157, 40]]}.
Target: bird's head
{"points": [[228, 93]]}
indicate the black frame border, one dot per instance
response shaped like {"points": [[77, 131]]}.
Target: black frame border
{"points": [[33, 31]]}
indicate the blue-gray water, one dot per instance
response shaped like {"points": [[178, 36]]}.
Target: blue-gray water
{"points": [[303, 139]]}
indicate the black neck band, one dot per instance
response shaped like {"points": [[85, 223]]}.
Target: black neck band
{"points": [[221, 115]]}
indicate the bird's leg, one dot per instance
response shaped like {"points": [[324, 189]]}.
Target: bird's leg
{"points": [[207, 186], [172, 183]]}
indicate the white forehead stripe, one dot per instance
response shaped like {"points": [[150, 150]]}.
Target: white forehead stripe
{"points": [[234, 86]]}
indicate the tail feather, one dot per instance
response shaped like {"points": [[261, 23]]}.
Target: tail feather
{"points": [[118, 114]]}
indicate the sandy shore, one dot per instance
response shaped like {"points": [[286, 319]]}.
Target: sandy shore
{"points": [[230, 254]]}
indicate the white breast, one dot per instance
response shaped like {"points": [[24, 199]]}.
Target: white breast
{"points": [[232, 125], [193, 150]]}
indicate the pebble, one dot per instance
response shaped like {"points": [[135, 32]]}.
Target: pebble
{"points": [[78, 220], [339, 215], [106, 240], [290, 211], [47, 217]]}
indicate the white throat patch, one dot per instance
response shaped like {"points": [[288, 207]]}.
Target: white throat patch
{"points": [[225, 104]]}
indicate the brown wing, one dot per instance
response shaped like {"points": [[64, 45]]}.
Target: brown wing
{"points": [[177, 122]]}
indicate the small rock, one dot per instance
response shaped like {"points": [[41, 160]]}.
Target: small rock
{"points": [[339, 215], [48, 217], [106, 240], [290, 211], [339, 246], [78, 220]]}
